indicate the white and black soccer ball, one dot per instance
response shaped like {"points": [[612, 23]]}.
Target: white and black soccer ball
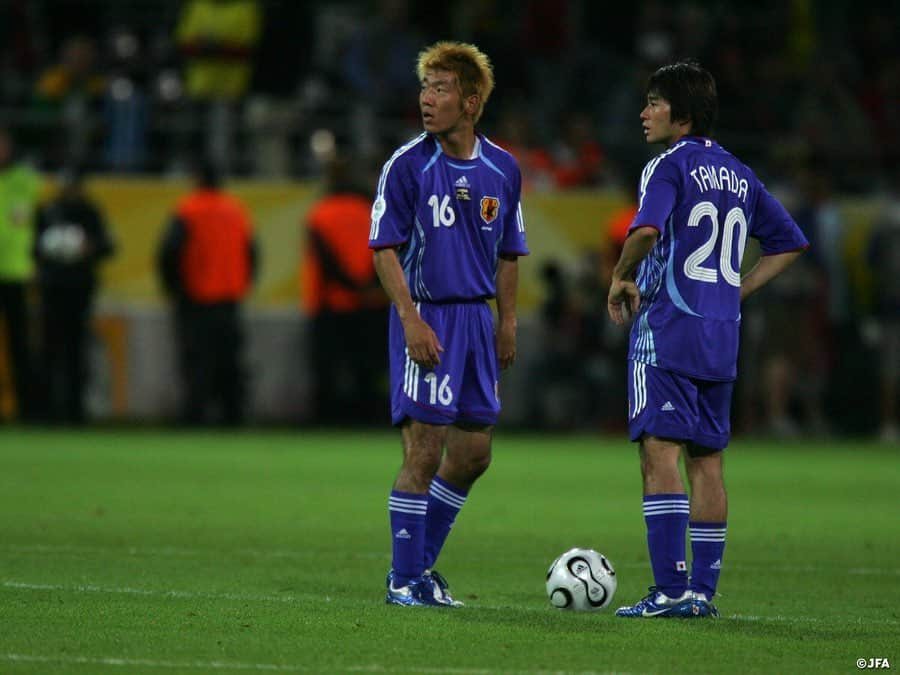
{"points": [[581, 579]]}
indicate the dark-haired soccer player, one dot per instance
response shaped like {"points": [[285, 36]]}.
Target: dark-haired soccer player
{"points": [[697, 206], [447, 230]]}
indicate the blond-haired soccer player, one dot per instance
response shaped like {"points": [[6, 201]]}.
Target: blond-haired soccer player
{"points": [[447, 230]]}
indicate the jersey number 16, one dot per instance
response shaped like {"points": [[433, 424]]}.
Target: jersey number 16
{"points": [[442, 212]]}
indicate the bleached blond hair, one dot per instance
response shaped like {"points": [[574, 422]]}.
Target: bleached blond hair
{"points": [[471, 66]]}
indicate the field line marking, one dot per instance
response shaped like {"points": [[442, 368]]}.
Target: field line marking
{"points": [[266, 667], [177, 552], [125, 590]]}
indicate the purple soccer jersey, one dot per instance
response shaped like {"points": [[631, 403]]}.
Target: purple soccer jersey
{"points": [[450, 220], [705, 203]]}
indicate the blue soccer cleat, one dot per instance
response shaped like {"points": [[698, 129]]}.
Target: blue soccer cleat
{"points": [[656, 604], [442, 589], [418, 592], [701, 607]]}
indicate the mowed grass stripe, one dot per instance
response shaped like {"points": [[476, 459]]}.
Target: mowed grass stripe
{"points": [[92, 552], [310, 597]]}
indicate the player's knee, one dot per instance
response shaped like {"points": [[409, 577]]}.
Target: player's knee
{"points": [[418, 470], [478, 465]]}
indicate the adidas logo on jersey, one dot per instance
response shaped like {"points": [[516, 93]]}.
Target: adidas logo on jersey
{"points": [[403, 534], [667, 406], [716, 565], [462, 189]]}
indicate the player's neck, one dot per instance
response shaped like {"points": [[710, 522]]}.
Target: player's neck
{"points": [[459, 144], [683, 130]]}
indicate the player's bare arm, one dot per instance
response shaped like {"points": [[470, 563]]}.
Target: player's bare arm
{"points": [[624, 295], [421, 342], [768, 267], [507, 283]]}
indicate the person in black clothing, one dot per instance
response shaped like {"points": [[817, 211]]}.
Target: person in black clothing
{"points": [[207, 262], [71, 238], [345, 304]]}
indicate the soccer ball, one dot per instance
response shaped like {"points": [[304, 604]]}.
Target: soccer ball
{"points": [[581, 579]]}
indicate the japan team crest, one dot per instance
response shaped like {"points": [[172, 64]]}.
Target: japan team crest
{"points": [[490, 207]]}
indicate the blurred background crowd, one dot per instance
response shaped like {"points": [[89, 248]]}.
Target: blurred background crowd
{"points": [[302, 92]]}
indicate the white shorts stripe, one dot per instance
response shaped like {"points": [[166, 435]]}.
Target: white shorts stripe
{"points": [[639, 385], [411, 378]]}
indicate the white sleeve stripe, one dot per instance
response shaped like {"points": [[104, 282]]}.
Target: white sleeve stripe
{"points": [[647, 173], [382, 180], [387, 166]]}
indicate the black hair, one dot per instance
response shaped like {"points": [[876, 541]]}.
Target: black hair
{"points": [[208, 174], [690, 90]]}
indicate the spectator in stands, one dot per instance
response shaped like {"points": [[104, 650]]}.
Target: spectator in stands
{"points": [[344, 301], [75, 76], [19, 186], [794, 310], [72, 90], [71, 238], [375, 69], [217, 39], [578, 158], [207, 261], [516, 135], [884, 259]]}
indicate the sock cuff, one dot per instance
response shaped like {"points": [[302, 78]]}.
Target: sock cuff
{"points": [[666, 505], [444, 492], [408, 502], [709, 532]]}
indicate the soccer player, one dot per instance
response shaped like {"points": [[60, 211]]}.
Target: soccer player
{"points": [[697, 206], [447, 230]]}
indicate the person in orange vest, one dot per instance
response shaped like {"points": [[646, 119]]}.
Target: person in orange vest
{"points": [[345, 303], [207, 262]]}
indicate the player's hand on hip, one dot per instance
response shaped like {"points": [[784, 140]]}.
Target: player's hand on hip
{"points": [[506, 345], [422, 344], [623, 301]]}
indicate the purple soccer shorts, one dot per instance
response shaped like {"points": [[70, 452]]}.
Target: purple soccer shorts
{"points": [[464, 385], [668, 405]]}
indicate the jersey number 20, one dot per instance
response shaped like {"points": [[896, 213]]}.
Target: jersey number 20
{"points": [[694, 264]]}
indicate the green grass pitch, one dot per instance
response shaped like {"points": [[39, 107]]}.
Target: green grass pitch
{"points": [[165, 552]]}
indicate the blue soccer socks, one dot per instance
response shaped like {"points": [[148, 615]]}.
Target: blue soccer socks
{"points": [[666, 517], [707, 547], [407, 511], [444, 502]]}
